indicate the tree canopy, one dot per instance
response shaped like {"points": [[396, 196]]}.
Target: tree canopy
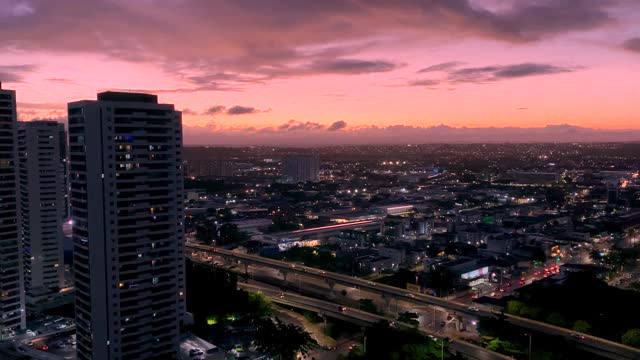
{"points": [[281, 340]]}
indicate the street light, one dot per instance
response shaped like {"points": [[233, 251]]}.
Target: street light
{"points": [[529, 334]]}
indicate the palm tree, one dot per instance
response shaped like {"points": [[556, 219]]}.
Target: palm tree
{"points": [[282, 341]]}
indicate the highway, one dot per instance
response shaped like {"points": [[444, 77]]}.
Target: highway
{"points": [[330, 309], [599, 346]]}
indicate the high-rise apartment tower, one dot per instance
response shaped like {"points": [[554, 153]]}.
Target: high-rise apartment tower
{"points": [[126, 176], [12, 314]]}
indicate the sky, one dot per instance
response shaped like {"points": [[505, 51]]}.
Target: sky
{"points": [[338, 71]]}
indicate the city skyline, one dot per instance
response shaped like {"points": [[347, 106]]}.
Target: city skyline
{"points": [[255, 70]]}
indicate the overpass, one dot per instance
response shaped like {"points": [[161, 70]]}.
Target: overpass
{"points": [[322, 232], [325, 308], [596, 345]]}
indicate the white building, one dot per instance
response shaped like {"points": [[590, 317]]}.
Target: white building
{"points": [[42, 208], [12, 315], [127, 207]]}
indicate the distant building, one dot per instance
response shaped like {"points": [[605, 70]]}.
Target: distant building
{"points": [[395, 209], [128, 226], [42, 207], [12, 314], [613, 193], [210, 168], [531, 177], [301, 168]]}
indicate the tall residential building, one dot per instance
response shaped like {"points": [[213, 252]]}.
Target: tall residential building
{"points": [[12, 313], [64, 182], [42, 208], [126, 176], [300, 168]]}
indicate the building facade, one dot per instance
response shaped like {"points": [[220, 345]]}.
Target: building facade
{"points": [[12, 314], [301, 168], [126, 178], [42, 208]]}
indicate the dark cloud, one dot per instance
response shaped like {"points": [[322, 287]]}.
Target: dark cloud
{"points": [[632, 44], [351, 66], [503, 72], [60, 80], [215, 110], [14, 73], [224, 45], [441, 67], [494, 73], [424, 82], [293, 125], [338, 125], [187, 111], [233, 110], [242, 110]]}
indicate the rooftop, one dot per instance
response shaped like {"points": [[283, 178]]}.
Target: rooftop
{"points": [[127, 97]]}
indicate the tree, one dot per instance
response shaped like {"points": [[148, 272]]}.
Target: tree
{"points": [[556, 319], [595, 256], [504, 347], [229, 234], [282, 341], [555, 196], [259, 304], [409, 318], [385, 342], [206, 232], [368, 306], [632, 338], [514, 307], [582, 326]]}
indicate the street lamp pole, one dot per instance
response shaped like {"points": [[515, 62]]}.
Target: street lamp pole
{"points": [[529, 346], [442, 350], [434, 318]]}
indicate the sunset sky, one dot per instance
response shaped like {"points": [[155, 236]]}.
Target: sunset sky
{"points": [[255, 69]]}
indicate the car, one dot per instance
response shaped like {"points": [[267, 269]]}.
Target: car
{"points": [[342, 309], [44, 347], [577, 336], [195, 352], [442, 323], [432, 337], [31, 333], [281, 295], [473, 308]]}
